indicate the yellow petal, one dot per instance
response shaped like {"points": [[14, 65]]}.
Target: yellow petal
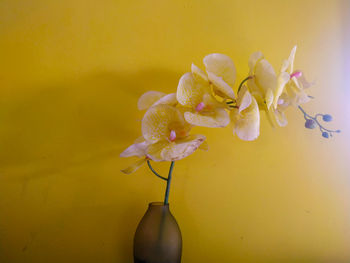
{"points": [[254, 58], [199, 75], [210, 102], [303, 82], [204, 146], [247, 123], [148, 99], [256, 91], [269, 98], [182, 148], [169, 99], [282, 80], [132, 168], [221, 87], [158, 122], [280, 118], [136, 149], [222, 66], [291, 60], [244, 100], [215, 118], [154, 150], [189, 92], [265, 75]]}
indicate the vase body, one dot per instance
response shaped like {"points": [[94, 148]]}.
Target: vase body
{"points": [[158, 237]]}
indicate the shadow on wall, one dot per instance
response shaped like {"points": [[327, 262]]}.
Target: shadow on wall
{"points": [[54, 140], [53, 128]]}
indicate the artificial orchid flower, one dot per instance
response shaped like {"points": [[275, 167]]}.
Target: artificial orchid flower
{"points": [[295, 83], [246, 117], [220, 74], [139, 149], [263, 81], [200, 106], [167, 133]]}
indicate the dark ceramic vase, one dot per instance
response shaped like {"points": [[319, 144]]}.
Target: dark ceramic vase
{"points": [[158, 237]]}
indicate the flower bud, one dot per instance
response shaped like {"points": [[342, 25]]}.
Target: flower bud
{"points": [[325, 135], [310, 124], [327, 118]]}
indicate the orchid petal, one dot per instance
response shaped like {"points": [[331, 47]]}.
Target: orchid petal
{"points": [[159, 120], [221, 66], [280, 118], [198, 74], [132, 168], [282, 80], [247, 123], [220, 86], [154, 150], [148, 99], [136, 149], [189, 92], [304, 83], [182, 148], [265, 75], [169, 99], [204, 146], [216, 118], [253, 60], [269, 98], [245, 100]]}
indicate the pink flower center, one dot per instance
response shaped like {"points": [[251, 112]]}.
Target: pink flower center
{"points": [[172, 136], [296, 74], [200, 106]]}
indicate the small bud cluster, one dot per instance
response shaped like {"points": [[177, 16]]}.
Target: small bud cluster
{"points": [[311, 122]]}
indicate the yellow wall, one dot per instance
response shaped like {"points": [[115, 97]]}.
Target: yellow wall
{"points": [[70, 75]]}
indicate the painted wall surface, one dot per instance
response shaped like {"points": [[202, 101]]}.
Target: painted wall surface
{"points": [[71, 72]]}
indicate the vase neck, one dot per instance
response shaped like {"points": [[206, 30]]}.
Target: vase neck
{"points": [[158, 206]]}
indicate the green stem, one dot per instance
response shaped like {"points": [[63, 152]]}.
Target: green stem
{"points": [[240, 85], [168, 183], [153, 171]]}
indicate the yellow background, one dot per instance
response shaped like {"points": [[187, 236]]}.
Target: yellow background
{"points": [[71, 72]]}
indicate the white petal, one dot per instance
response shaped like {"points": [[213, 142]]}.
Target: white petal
{"points": [[136, 149]]}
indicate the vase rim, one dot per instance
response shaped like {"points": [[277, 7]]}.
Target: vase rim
{"points": [[158, 204]]}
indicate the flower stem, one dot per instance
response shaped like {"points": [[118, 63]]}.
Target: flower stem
{"points": [[153, 171], [243, 81], [168, 183]]}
